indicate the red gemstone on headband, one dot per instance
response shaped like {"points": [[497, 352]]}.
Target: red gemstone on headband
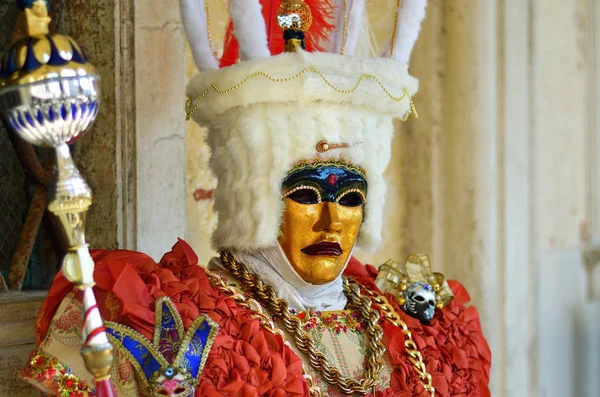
{"points": [[331, 179]]}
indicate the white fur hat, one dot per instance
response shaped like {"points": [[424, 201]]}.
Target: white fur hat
{"points": [[268, 113]]}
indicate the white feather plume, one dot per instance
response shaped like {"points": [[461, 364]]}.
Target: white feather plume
{"points": [[366, 45], [193, 16], [249, 29], [410, 16], [354, 26]]}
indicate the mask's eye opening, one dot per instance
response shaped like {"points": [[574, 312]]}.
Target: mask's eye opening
{"points": [[351, 199], [304, 195]]}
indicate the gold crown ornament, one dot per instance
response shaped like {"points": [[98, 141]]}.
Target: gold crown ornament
{"points": [[42, 55], [294, 18]]}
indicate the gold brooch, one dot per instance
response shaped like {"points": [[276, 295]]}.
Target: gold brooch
{"points": [[323, 146]]}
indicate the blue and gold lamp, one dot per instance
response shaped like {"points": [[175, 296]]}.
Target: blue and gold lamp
{"points": [[49, 95]]}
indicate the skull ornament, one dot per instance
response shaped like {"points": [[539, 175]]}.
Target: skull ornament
{"points": [[172, 382], [419, 302]]}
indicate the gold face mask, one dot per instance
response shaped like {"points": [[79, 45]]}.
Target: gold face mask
{"points": [[322, 217]]}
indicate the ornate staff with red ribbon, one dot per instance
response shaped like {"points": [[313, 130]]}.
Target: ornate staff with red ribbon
{"points": [[49, 95]]}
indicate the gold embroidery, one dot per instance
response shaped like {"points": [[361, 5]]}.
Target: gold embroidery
{"points": [[112, 304], [337, 321], [304, 341], [68, 383], [317, 162], [48, 371], [185, 338], [159, 314], [126, 331], [201, 320]]}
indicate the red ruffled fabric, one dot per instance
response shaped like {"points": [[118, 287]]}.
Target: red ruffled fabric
{"points": [[453, 347], [247, 360]]}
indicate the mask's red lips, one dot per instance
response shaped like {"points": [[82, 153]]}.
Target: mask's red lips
{"points": [[323, 249]]}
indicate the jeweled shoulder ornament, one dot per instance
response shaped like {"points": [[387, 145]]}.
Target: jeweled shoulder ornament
{"points": [[418, 289]]}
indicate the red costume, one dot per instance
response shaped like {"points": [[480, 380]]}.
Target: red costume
{"points": [[247, 360]]}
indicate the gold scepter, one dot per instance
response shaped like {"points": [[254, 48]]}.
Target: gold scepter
{"points": [[49, 95]]}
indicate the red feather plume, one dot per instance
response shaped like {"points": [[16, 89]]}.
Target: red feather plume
{"points": [[317, 34]]}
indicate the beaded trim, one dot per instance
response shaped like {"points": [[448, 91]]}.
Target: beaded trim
{"points": [[159, 314], [301, 187], [337, 321], [353, 190], [191, 105], [317, 163], [116, 342]]}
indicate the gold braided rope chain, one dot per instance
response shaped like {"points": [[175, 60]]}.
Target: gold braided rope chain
{"points": [[253, 284], [255, 311], [414, 355], [191, 105]]}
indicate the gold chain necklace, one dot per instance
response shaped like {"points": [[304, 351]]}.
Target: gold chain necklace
{"points": [[255, 311], [304, 341], [414, 355]]}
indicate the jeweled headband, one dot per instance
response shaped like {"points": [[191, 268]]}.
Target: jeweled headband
{"points": [[315, 163]]}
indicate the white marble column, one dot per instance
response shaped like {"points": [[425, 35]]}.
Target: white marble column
{"points": [[509, 129], [160, 169]]}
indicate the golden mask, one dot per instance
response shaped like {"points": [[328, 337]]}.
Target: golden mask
{"points": [[322, 217]]}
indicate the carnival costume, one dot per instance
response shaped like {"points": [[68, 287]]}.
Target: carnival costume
{"points": [[299, 140]]}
